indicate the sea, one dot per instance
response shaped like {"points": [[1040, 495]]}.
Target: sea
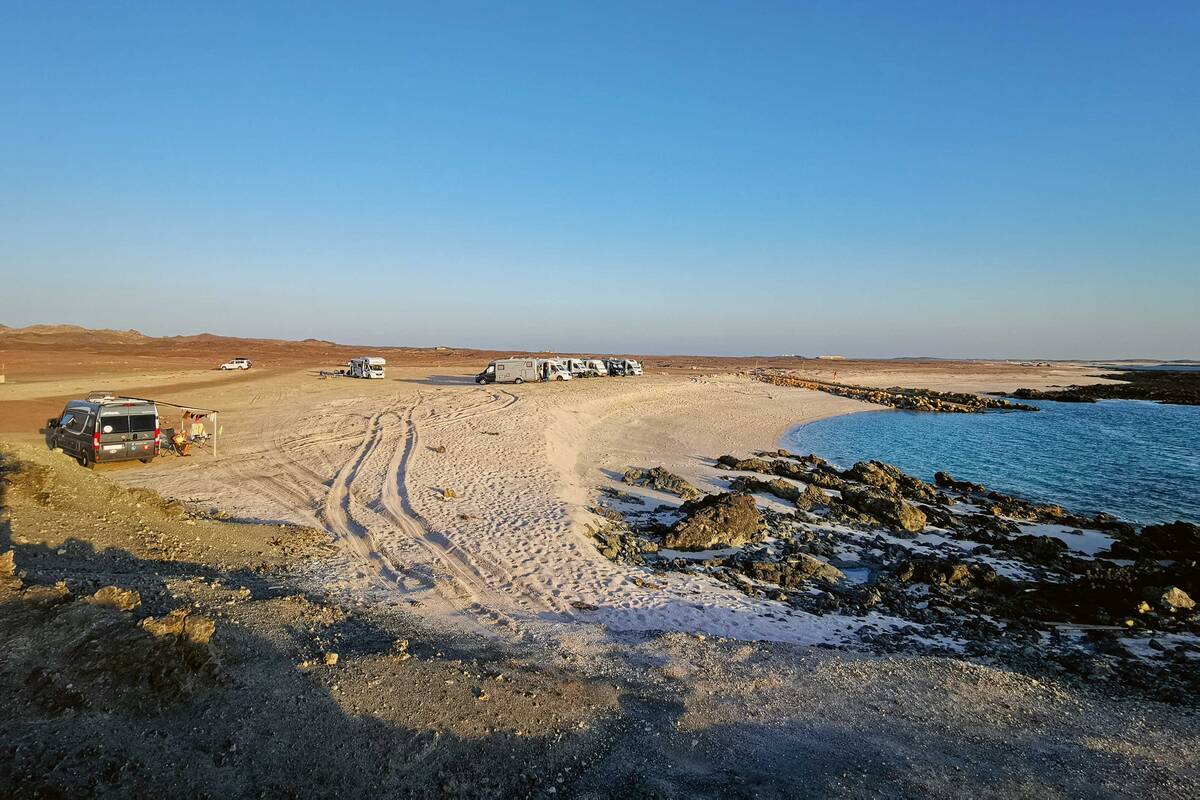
{"points": [[1135, 459]]}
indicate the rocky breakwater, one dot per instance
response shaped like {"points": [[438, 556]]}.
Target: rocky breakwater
{"points": [[898, 397], [1173, 387], [948, 567]]}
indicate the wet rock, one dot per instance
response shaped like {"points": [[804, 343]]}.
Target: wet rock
{"points": [[948, 481], [890, 510], [115, 597], [715, 521], [662, 480]]}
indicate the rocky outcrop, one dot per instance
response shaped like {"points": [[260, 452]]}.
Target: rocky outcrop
{"points": [[811, 498], [662, 480], [793, 573], [1178, 387], [898, 397], [784, 490], [890, 480], [1045, 550], [887, 509], [716, 521], [746, 464], [937, 572], [1170, 540]]}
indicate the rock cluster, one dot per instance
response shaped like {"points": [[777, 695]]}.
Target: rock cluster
{"points": [[716, 521], [897, 397], [661, 479], [985, 581], [1177, 387]]}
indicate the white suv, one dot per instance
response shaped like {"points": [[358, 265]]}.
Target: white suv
{"points": [[236, 363]]}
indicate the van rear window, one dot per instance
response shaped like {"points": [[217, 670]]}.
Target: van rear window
{"points": [[135, 423]]}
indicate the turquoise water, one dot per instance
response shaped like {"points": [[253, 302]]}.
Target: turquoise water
{"points": [[1137, 460]]}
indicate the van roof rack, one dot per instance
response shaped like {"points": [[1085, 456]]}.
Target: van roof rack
{"points": [[102, 394]]}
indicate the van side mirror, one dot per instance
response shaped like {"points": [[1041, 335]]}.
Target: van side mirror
{"points": [[52, 423]]}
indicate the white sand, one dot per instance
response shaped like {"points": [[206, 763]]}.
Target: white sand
{"points": [[509, 552]]}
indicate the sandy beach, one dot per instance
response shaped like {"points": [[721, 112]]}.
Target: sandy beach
{"points": [[360, 460], [457, 519]]}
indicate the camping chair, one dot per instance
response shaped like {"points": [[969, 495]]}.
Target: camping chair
{"points": [[167, 442]]}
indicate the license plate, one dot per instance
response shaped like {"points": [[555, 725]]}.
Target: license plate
{"points": [[111, 447]]}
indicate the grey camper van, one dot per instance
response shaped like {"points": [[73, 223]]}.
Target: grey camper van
{"points": [[106, 427]]}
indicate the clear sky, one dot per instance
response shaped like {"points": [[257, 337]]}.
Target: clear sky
{"points": [[865, 178]]}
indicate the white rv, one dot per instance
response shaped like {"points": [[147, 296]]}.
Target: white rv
{"points": [[366, 367], [596, 367], [579, 368], [623, 366], [520, 370]]}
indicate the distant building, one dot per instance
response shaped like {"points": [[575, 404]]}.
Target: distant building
{"points": [[832, 358]]}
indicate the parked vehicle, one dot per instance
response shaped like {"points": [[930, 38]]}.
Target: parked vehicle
{"points": [[236, 363], [596, 367], [366, 367], [520, 370], [579, 368], [106, 427], [623, 366]]}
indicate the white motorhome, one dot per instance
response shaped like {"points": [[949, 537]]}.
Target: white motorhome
{"points": [[623, 366], [578, 367], [366, 367], [520, 370], [596, 367]]}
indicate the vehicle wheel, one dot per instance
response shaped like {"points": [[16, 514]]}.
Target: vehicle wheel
{"points": [[145, 460], [519, 380], [85, 459], [479, 381]]}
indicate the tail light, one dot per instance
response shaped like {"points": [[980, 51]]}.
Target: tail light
{"points": [[157, 433], [96, 441]]}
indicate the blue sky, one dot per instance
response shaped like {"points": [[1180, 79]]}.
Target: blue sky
{"points": [[874, 179]]}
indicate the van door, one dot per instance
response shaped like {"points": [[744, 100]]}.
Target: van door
{"points": [[72, 426], [125, 436]]}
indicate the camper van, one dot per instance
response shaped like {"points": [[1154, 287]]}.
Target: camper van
{"points": [[366, 367], [596, 367], [579, 368], [623, 366], [106, 427], [520, 370]]}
